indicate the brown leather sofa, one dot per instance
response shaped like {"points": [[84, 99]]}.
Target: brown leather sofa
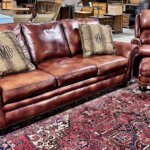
{"points": [[62, 74], [142, 38], [144, 73]]}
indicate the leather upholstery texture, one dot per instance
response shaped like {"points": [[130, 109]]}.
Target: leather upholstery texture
{"points": [[145, 19], [2, 115], [69, 70], [142, 27], [60, 100], [129, 51], [145, 67], [71, 29], [105, 64], [62, 75], [22, 85], [145, 37], [16, 28], [144, 73], [136, 41], [45, 41], [142, 38], [137, 26], [144, 50], [60, 91]]}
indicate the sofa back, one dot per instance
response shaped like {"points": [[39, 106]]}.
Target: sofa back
{"points": [[71, 30], [45, 41], [142, 26], [16, 28]]}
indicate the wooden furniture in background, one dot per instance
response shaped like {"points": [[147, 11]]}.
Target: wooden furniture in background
{"points": [[131, 11], [18, 10], [57, 7], [64, 12], [116, 11], [30, 6], [85, 12], [103, 8], [135, 1], [22, 18], [12, 5], [105, 20], [7, 4], [47, 7], [117, 23], [126, 20]]}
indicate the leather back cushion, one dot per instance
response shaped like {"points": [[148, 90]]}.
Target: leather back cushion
{"points": [[45, 41], [16, 28], [145, 37], [71, 29], [145, 19]]}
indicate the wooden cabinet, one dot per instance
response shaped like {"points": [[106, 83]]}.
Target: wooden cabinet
{"points": [[7, 4], [126, 20], [115, 9], [135, 1], [102, 5]]}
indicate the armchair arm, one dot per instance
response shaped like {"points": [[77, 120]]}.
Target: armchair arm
{"points": [[128, 51], [136, 41], [2, 116]]}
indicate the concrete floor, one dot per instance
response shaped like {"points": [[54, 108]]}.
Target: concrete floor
{"points": [[126, 36]]}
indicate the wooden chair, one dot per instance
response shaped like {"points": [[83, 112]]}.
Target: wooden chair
{"points": [[46, 7], [85, 12], [44, 18], [22, 18]]}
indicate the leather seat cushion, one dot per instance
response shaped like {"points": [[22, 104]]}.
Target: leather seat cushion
{"points": [[144, 50], [68, 70], [105, 63], [145, 67], [23, 85]]}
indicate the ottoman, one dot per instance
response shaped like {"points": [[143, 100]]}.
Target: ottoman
{"points": [[144, 73]]}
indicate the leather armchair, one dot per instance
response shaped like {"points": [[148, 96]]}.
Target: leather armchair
{"points": [[128, 51], [142, 37]]}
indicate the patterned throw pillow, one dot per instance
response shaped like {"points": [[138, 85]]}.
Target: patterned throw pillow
{"points": [[96, 39], [12, 59], [43, 18]]}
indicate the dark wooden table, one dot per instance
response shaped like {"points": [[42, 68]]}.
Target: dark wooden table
{"points": [[117, 23]]}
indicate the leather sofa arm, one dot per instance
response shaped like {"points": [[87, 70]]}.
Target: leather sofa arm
{"points": [[129, 51], [2, 116], [136, 41]]}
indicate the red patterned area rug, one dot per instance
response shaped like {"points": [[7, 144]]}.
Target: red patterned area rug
{"points": [[118, 120]]}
